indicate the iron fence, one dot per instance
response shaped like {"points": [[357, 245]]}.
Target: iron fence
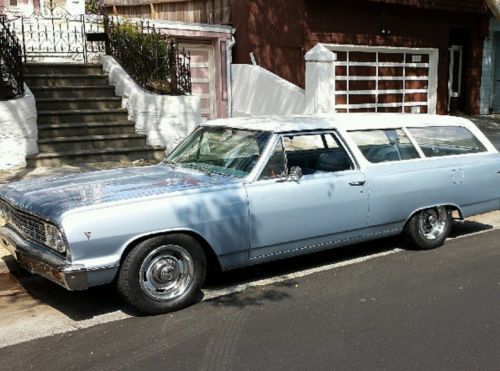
{"points": [[60, 38], [11, 66], [147, 53]]}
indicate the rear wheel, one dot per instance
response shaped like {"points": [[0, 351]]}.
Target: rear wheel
{"points": [[163, 274], [429, 228]]}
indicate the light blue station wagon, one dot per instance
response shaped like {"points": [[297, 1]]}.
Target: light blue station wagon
{"points": [[243, 191]]}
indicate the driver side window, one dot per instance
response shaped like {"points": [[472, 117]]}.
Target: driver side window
{"points": [[313, 153]]}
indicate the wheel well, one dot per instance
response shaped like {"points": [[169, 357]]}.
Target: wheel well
{"points": [[456, 213], [213, 262]]}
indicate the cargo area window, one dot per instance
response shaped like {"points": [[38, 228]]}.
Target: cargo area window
{"points": [[313, 153], [446, 141], [384, 145]]}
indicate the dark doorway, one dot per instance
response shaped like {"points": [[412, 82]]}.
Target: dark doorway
{"points": [[459, 45]]}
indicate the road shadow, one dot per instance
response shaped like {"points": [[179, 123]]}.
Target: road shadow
{"points": [[85, 305]]}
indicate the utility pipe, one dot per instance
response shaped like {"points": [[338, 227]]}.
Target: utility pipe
{"points": [[229, 60]]}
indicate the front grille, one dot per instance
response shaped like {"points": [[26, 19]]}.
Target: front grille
{"points": [[29, 226]]}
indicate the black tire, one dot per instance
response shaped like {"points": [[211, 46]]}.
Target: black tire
{"points": [[416, 237], [139, 292]]}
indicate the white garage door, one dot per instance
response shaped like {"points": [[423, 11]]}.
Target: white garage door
{"points": [[385, 79], [203, 76]]}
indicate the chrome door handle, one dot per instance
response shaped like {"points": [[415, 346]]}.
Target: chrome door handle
{"points": [[358, 183]]}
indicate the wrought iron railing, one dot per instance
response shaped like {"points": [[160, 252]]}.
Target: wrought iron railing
{"points": [[152, 58], [147, 53], [11, 63]]}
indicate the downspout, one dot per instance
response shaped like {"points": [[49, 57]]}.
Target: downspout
{"points": [[494, 6], [229, 60]]}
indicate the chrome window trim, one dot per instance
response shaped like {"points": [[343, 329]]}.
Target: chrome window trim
{"points": [[414, 142]]}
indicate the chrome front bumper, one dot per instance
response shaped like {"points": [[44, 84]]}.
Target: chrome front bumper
{"points": [[38, 260]]}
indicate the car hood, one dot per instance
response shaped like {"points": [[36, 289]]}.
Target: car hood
{"points": [[50, 197]]}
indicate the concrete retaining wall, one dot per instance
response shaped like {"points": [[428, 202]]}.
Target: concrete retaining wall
{"points": [[165, 119], [18, 131], [256, 91]]}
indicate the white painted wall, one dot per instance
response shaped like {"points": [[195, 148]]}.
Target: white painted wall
{"points": [[18, 131], [256, 91], [320, 79], [165, 119]]}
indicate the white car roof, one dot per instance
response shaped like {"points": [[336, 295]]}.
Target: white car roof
{"points": [[341, 121]]}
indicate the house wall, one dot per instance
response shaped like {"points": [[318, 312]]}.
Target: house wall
{"points": [[196, 11], [19, 134], [280, 32]]}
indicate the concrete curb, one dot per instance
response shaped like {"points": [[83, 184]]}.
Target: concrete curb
{"points": [[9, 265]]}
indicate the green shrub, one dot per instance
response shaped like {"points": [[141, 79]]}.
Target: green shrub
{"points": [[145, 54]]}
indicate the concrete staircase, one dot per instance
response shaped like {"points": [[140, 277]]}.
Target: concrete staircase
{"points": [[80, 120]]}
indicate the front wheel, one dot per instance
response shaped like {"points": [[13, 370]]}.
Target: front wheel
{"points": [[163, 274], [429, 228]]}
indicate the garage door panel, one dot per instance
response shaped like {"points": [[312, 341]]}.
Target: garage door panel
{"points": [[362, 110], [362, 99], [383, 80], [362, 57], [390, 71], [390, 109], [419, 97], [390, 98], [362, 71], [422, 71], [362, 85], [391, 57], [341, 70], [390, 85], [416, 84]]}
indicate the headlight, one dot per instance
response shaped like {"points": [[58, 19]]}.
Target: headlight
{"points": [[4, 214], [54, 238]]}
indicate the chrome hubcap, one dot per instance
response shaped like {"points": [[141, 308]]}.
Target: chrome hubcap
{"points": [[432, 222], [166, 273]]}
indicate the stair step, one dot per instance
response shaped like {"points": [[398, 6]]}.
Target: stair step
{"points": [[75, 91], [78, 103], [85, 129], [66, 80], [91, 115], [79, 143], [62, 68], [97, 155]]}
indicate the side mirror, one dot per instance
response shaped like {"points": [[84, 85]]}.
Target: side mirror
{"points": [[295, 173]]}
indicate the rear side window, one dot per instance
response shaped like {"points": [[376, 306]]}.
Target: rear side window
{"points": [[384, 145], [446, 140]]}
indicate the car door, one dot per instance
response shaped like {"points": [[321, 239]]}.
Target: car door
{"points": [[327, 203]]}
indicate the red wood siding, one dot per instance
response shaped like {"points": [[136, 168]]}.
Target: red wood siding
{"points": [[474, 6]]}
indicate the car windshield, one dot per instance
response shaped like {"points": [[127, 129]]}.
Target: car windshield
{"points": [[220, 150]]}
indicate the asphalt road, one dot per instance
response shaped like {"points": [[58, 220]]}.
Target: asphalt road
{"points": [[437, 309]]}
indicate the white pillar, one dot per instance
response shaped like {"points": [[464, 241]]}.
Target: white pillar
{"points": [[320, 79]]}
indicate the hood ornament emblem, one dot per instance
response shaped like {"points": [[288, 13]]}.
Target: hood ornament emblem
{"points": [[88, 235]]}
